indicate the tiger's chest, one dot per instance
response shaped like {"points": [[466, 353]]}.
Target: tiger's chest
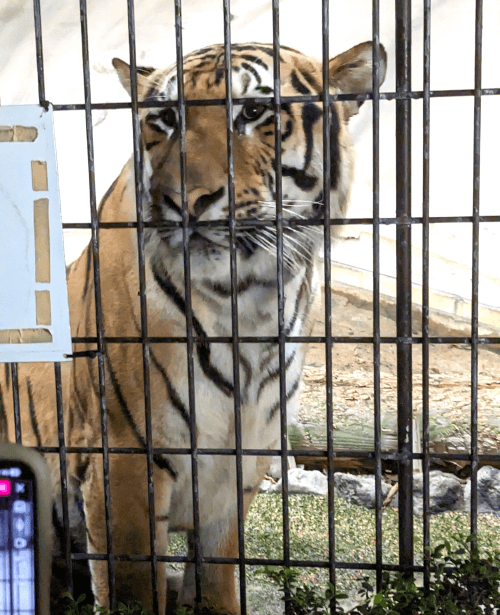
{"points": [[218, 397]]}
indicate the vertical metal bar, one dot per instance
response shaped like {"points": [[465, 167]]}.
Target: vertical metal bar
{"points": [[101, 346], [325, 25], [403, 261], [14, 369], [187, 291], [234, 304], [281, 291], [425, 288], [475, 264], [63, 476], [39, 53], [138, 178], [376, 287]]}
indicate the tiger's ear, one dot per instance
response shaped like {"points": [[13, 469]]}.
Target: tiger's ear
{"points": [[143, 72], [351, 73]]}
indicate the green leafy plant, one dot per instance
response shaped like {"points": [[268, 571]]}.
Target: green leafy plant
{"points": [[462, 583], [300, 598], [79, 607]]}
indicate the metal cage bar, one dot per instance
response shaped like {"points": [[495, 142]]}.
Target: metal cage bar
{"points": [[139, 189], [475, 266], [410, 95], [195, 537], [403, 301], [101, 345], [14, 374], [238, 438], [280, 280], [403, 340], [425, 290], [325, 27], [377, 418], [63, 476]]}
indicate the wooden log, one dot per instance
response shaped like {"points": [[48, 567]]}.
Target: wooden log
{"points": [[358, 435]]}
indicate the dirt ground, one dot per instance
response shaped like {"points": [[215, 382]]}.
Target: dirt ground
{"points": [[352, 377]]}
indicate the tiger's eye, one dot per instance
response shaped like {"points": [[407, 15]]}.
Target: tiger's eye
{"points": [[252, 111]]}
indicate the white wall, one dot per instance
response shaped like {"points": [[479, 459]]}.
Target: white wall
{"points": [[452, 67]]}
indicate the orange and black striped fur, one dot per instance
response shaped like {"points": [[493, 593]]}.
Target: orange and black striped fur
{"points": [[207, 199]]}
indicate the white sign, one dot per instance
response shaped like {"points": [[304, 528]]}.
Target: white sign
{"points": [[34, 316]]}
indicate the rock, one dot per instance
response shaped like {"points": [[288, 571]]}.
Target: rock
{"points": [[275, 467], [303, 481], [445, 493], [265, 486], [358, 490], [488, 491]]}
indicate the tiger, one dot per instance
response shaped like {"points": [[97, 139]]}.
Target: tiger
{"points": [[115, 382]]}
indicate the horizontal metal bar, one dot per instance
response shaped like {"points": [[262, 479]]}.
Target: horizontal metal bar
{"points": [[249, 561], [219, 102], [243, 224], [339, 339], [340, 454]]}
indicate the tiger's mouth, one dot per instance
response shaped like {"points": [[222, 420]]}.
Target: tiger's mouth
{"points": [[209, 241]]}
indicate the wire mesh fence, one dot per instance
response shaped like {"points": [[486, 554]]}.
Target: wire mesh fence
{"points": [[95, 348]]}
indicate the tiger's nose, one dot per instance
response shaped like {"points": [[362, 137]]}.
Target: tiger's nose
{"points": [[199, 200]]}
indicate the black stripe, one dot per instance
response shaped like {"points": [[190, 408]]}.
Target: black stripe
{"points": [[169, 202], [276, 406], [151, 144], [82, 407], [224, 290], [289, 327], [81, 469], [247, 368], [298, 85], [34, 423], [272, 351], [219, 73], [267, 122], [288, 130], [156, 128], [200, 52], [302, 180], [268, 52], [311, 79], [202, 348], [172, 393], [87, 272], [274, 375], [3, 417], [254, 59], [291, 49], [145, 70], [7, 374], [252, 70], [334, 148], [162, 517], [106, 196], [161, 462], [310, 115]]}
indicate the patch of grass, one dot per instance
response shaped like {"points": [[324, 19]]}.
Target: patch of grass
{"points": [[354, 542], [354, 535]]}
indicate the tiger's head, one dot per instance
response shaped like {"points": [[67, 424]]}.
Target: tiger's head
{"points": [[206, 166]]}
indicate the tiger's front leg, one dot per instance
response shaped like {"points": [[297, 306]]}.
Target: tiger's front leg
{"points": [[130, 528], [218, 586]]}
